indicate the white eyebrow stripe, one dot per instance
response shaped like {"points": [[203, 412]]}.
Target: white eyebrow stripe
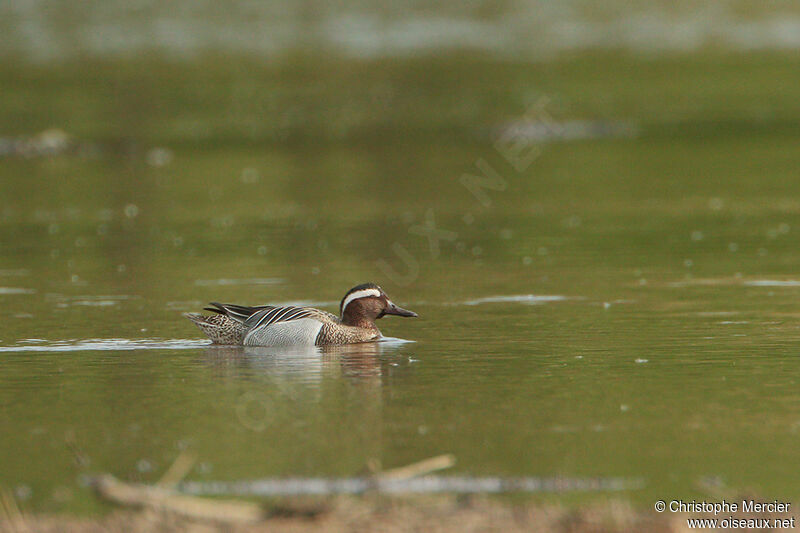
{"points": [[360, 294]]}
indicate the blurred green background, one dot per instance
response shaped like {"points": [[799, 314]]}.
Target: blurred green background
{"points": [[621, 305]]}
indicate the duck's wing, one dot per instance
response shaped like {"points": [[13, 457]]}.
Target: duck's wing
{"points": [[262, 316], [240, 313]]}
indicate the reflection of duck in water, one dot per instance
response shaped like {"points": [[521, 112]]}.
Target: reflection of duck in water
{"points": [[268, 325], [354, 360], [304, 363]]}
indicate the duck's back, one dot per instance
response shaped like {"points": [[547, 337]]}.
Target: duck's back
{"points": [[269, 325]]}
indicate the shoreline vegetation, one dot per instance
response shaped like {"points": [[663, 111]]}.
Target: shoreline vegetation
{"points": [[442, 513]]}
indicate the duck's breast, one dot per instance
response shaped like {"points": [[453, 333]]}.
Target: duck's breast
{"points": [[299, 332]]}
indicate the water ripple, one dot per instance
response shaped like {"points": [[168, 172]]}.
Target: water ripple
{"points": [[41, 345], [419, 485], [233, 281], [44, 345], [530, 299], [16, 290], [772, 283]]}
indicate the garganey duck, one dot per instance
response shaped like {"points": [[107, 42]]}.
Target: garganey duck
{"points": [[269, 325]]}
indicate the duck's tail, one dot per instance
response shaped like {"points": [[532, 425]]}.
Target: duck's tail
{"points": [[219, 328]]}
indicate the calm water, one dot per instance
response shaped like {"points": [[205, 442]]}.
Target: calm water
{"points": [[624, 308]]}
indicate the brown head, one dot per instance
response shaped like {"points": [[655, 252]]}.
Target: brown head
{"points": [[366, 303]]}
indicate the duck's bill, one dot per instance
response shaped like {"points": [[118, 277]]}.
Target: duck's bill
{"points": [[399, 311]]}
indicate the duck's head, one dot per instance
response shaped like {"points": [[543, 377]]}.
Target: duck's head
{"points": [[366, 303]]}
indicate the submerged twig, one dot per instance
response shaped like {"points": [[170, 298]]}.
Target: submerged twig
{"points": [[420, 468], [413, 478], [182, 465], [10, 511], [80, 458], [162, 499]]}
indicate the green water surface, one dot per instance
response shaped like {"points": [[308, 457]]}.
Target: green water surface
{"points": [[622, 307]]}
